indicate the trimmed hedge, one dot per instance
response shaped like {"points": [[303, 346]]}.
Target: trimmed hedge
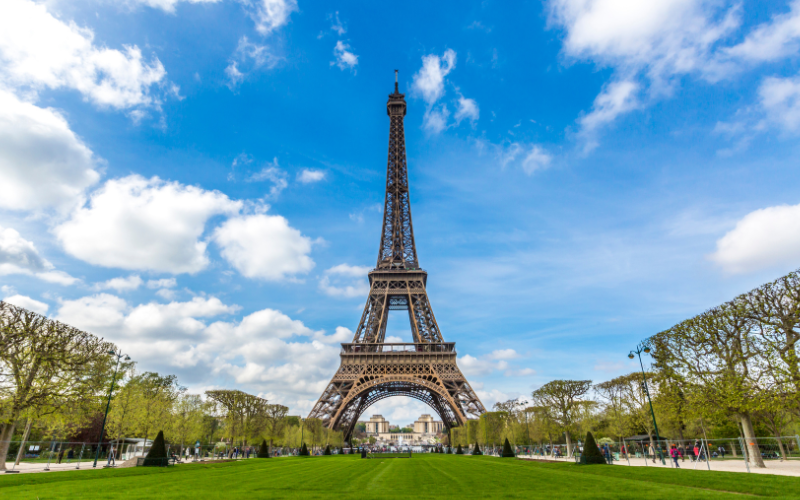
{"points": [[263, 451], [157, 456], [327, 450], [459, 451], [591, 453], [507, 451], [304, 450], [477, 450]]}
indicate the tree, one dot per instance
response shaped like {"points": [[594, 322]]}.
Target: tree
{"points": [[776, 308], [124, 404], [713, 355], [633, 399], [563, 398], [492, 423], [245, 414], [612, 393], [45, 365], [509, 411], [276, 422], [187, 419], [156, 395]]}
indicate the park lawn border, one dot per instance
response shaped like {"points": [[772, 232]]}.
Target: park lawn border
{"points": [[763, 485]]}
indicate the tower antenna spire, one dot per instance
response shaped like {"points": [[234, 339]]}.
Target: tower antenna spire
{"points": [[396, 91]]}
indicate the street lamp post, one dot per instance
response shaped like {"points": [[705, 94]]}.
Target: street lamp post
{"points": [[108, 404], [302, 434], [644, 347]]}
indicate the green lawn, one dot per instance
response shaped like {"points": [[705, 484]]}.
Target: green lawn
{"points": [[423, 476]]}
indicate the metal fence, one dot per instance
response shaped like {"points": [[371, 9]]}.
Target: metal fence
{"points": [[44, 456], [771, 455]]}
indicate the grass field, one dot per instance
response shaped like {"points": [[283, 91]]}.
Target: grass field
{"points": [[423, 476]]}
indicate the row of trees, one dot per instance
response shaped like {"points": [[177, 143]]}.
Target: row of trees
{"points": [[49, 372], [730, 371], [739, 359], [54, 381]]}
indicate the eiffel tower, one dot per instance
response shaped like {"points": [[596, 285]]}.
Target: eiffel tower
{"points": [[371, 369]]}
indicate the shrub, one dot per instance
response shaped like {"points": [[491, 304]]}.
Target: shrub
{"points": [[477, 450], [157, 456], [304, 450], [507, 451], [263, 451], [327, 450], [591, 453], [459, 451]]}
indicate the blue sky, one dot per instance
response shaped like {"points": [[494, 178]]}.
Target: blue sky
{"points": [[201, 182]]}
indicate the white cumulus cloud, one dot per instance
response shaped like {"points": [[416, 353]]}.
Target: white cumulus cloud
{"points": [[307, 176], [345, 58], [121, 284], [37, 50], [429, 80], [467, 109], [42, 162], [763, 239], [345, 281], [27, 303], [263, 352], [656, 40], [162, 283], [264, 246], [528, 157], [144, 224], [269, 15], [780, 100], [20, 256], [778, 38], [616, 98], [168, 5]]}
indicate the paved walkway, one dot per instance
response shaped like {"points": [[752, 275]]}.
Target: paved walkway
{"points": [[776, 467]]}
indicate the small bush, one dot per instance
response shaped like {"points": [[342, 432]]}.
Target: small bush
{"points": [[507, 451], [327, 450], [304, 450], [477, 450], [263, 451], [591, 453], [459, 451]]}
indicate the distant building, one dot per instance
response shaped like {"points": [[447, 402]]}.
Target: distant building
{"points": [[377, 425], [425, 431], [427, 425]]}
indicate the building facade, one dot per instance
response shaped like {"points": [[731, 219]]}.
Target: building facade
{"points": [[426, 431]]}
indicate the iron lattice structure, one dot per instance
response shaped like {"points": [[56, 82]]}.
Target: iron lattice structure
{"points": [[372, 370]]}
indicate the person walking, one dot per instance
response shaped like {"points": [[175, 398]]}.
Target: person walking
{"points": [[111, 457], [721, 451], [60, 455], [675, 453]]}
